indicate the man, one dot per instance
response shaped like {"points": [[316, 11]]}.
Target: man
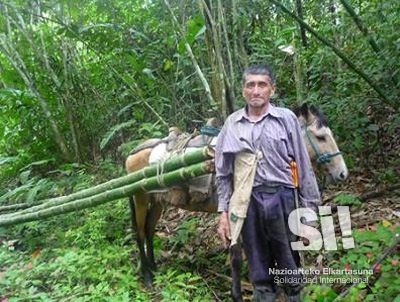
{"points": [[276, 132]]}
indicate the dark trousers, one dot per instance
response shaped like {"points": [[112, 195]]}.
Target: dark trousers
{"points": [[266, 239]]}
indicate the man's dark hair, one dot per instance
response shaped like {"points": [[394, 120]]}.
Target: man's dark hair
{"points": [[259, 69]]}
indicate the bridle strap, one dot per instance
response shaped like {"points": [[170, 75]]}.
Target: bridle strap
{"points": [[209, 131], [322, 158]]}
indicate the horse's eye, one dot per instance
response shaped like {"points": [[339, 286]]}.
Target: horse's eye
{"points": [[321, 138]]}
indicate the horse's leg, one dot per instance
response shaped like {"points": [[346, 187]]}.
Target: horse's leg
{"points": [[138, 218], [152, 218], [236, 267]]}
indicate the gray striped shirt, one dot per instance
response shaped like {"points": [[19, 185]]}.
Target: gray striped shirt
{"points": [[278, 136]]}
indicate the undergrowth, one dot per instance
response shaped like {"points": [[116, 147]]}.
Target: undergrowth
{"points": [[90, 256], [87, 255]]}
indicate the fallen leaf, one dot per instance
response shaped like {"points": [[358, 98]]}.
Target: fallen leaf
{"points": [[386, 223]]}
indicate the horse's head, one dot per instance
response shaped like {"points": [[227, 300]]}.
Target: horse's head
{"points": [[320, 142], [208, 134]]}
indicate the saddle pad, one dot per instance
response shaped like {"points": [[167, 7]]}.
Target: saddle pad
{"points": [[159, 153]]}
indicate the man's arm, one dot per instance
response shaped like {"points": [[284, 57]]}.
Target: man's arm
{"points": [[308, 187], [224, 176]]}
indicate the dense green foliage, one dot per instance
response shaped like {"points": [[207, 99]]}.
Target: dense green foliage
{"points": [[83, 82], [78, 67]]}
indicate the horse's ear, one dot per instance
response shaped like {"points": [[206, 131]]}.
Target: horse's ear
{"points": [[297, 110], [319, 115], [302, 112], [314, 110]]}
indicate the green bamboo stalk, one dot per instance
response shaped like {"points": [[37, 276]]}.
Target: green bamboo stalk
{"points": [[12, 207], [167, 166], [156, 182]]}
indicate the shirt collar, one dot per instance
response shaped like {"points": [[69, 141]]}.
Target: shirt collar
{"points": [[272, 110]]}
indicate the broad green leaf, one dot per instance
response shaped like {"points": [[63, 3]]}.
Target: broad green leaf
{"points": [[37, 163], [5, 160], [113, 131], [40, 185], [24, 176], [15, 191]]}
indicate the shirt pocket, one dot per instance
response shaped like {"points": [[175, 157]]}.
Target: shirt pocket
{"points": [[275, 152]]}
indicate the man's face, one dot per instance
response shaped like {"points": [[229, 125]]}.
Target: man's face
{"points": [[257, 90]]}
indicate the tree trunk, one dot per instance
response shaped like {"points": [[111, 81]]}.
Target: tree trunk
{"points": [[302, 65], [67, 105], [299, 8], [219, 70], [15, 59], [193, 58], [298, 77]]}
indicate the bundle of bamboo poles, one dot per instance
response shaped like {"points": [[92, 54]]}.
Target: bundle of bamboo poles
{"points": [[178, 169]]}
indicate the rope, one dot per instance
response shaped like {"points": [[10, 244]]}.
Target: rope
{"points": [[160, 171], [182, 142]]}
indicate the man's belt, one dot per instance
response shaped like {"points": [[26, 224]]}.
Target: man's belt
{"points": [[267, 189]]}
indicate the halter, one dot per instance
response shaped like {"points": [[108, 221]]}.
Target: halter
{"points": [[322, 158], [209, 131]]}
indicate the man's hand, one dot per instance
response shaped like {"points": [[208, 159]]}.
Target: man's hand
{"points": [[224, 230]]}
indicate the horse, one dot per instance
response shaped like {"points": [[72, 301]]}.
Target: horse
{"points": [[321, 145], [146, 208]]}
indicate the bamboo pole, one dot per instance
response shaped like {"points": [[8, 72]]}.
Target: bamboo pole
{"points": [[199, 72], [12, 207], [167, 166], [144, 185]]}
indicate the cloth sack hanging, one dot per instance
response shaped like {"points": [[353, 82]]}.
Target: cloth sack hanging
{"points": [[245, 166]]}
